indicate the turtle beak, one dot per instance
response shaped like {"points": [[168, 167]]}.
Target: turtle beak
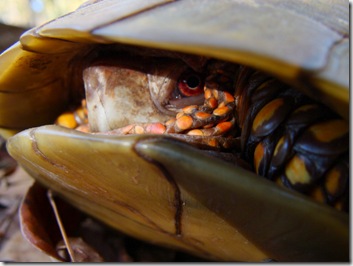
{"points": [[135, 87], [158, 189]]}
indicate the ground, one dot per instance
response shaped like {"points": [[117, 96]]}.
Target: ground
{"points": [[13, 246]]}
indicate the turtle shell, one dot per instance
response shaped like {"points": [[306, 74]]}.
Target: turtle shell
{"points": [[304, 43]]}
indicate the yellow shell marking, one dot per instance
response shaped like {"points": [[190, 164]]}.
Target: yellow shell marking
{"points": [[266, 113], [330, 130], [278, 146], [258, 155], [331, 182], [296, 171]]}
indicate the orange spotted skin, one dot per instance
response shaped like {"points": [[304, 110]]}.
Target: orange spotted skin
{"points": [[76, 119], [184, 122], [287, 137]]}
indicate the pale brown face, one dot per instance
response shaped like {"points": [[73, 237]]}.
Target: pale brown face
{"points": [[191, 99], [128, 91]]}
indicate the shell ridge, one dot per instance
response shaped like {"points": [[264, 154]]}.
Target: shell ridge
{"points": [[134, 13]]}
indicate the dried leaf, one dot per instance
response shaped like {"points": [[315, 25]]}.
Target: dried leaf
{"points": [[17, 249], [38, 222], [82, 251], [90, 240]]}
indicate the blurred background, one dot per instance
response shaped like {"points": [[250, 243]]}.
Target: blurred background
{"points": [[30, 13], [16, 16]]}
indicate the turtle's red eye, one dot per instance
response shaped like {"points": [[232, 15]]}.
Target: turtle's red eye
{"points": [[190, 84]]}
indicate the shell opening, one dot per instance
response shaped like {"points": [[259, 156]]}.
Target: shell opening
{"points": [[239, 110]]}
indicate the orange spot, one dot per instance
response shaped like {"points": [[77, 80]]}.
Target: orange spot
{"points": [[212, 142], [222, 104], [258, 155], [212, 102], [208, 126], [266, 113], [67, 119], [224, 127], [304, 108], [139, 130], [329, 130], [332, 181], [155, 128], [221, 111], [296, 171], [195, 132], [228, 98], [184, 122], [189, 109], [215, 93], [202, 115], [208, 94]]}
